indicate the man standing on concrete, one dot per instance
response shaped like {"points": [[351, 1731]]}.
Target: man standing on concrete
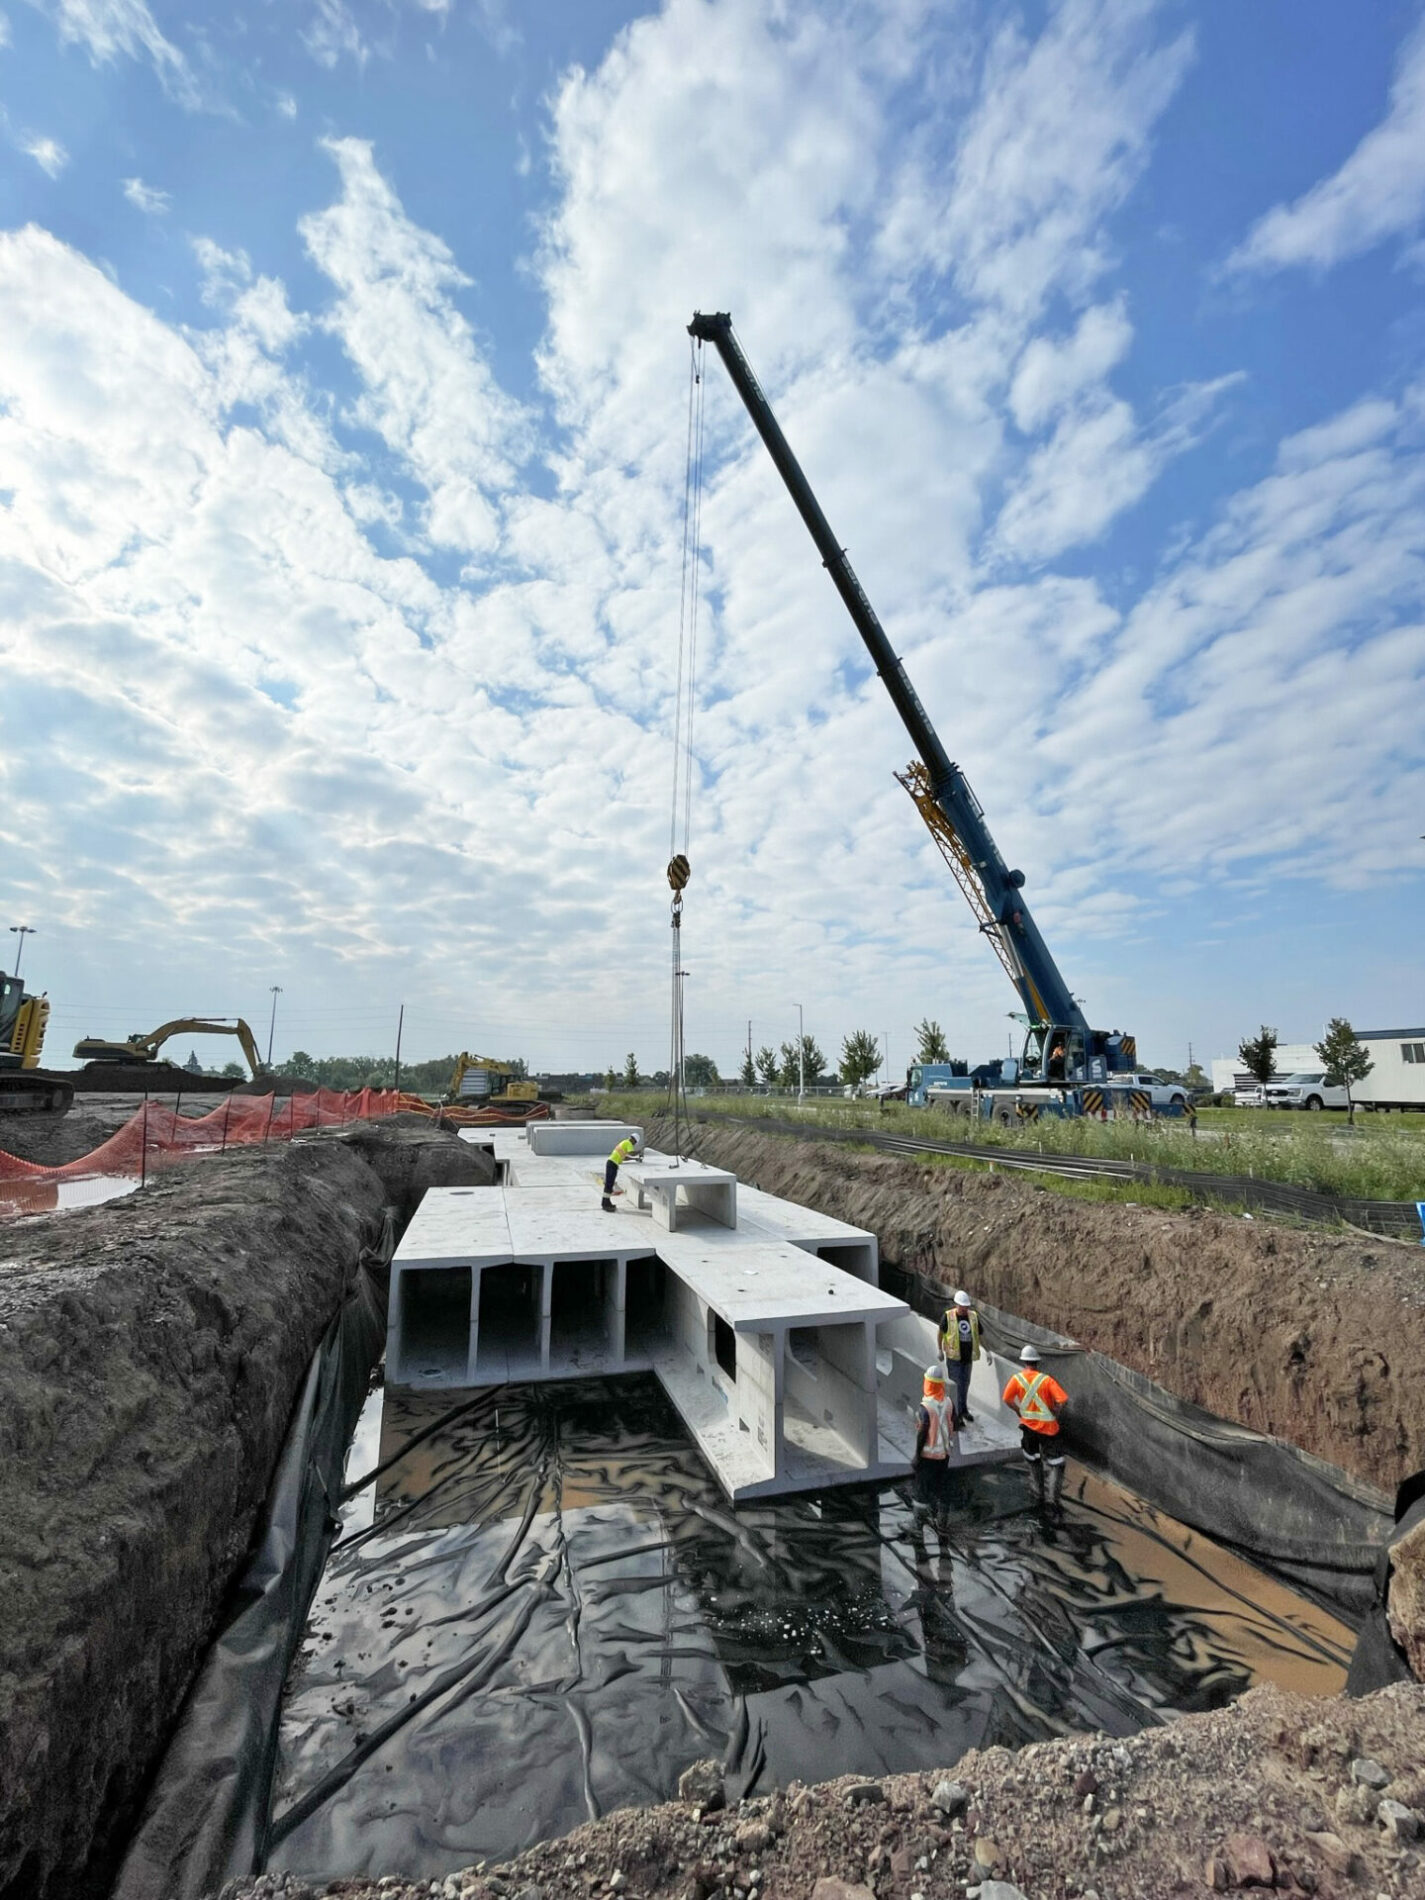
{"points": [[960, 1348], [934, 1428], [625, 1150], [1037, 1399]]}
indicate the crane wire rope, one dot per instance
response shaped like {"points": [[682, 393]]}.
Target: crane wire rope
{"points": [[684, 707]]}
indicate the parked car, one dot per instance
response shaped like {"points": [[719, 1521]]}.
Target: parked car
{"points": [[1160, 1093], [1310, 1089]]}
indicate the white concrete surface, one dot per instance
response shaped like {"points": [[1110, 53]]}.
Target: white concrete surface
{"points": [[790, 1371], [580, 1138]]}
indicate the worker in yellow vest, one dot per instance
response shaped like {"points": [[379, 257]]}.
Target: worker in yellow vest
{"points": [[1037, 1399], [624, 1150], [934, 1430], [960, 1348]]}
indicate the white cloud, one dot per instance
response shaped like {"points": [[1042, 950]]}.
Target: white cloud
{"points": [[146, 198], [1054, 140], [108, 28], [428, 391], [4, 31], [1378, 193], [333, 34], [286, 105], [47, 153], [256, 712]]}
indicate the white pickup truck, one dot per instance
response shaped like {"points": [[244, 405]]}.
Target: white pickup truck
{"points": [[1160, 1093], [1310, 1089]]}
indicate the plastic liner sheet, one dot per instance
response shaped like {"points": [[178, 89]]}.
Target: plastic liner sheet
{"points": [[1294, 1515], [547, 1611], [206, 1815]]}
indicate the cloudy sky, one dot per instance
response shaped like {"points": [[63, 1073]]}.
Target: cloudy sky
{"points": [[343, 397]]}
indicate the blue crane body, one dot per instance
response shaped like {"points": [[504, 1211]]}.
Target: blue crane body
{"points": [[1063, 1057]]}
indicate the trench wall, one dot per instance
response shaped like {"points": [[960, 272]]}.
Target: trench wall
{"points": [[151, 1350], [1317, 1338]]}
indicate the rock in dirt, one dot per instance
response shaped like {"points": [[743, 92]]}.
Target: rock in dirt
{"points": [[1405, 1603], [830, 1888], [1370, 1774], [1399, 1822], [1001, 1890], [1249, 1861], [950, 1798], [701, 1786]]}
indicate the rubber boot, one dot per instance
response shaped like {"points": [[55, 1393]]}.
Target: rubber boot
{"points": [[1036, 1476], [608, 1205], [1053, 1482]]}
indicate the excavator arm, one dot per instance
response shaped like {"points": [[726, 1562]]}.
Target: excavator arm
{"points": [[145, 1047]]}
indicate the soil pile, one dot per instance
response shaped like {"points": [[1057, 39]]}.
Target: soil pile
{"points": [[1300, 1794], [150, 1352], [1316, 1338]]}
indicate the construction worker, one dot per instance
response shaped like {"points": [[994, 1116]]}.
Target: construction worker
{"points": [[960, 1348], [1037, 1399], [624, 1150], [934, 1428]]}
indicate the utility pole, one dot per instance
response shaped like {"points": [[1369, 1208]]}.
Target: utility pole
{"points": [[749, 1047], [801, 1059], [272, 1021], [21, 931], [400, 1024], [886, 1039]]}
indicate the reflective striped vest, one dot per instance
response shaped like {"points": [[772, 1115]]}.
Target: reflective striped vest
{"points": [[940, 1430], [624, 1151]]}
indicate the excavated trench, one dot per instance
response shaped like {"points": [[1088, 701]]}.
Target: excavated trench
{"points": [[539, 1608]]}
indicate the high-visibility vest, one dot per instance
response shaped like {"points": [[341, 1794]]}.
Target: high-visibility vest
{"points": [[939, 1432], [950, 1334], [623, 1151], [1034, 1409]]}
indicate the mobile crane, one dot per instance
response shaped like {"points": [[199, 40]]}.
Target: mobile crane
{"points": [[1067, 1068]]}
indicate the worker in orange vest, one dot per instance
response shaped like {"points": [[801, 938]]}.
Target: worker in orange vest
{"points": [[934, 1429], [1037, 1399]]}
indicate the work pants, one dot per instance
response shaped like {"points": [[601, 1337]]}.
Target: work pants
{"points": [[960, 1379], [1046, 1445], [610, 1176]]}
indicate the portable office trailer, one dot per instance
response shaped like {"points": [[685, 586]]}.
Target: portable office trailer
{"points": [[1397, 1077]]}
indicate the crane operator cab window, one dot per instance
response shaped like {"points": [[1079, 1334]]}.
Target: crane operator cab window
{"points": [[1059, 1056]]}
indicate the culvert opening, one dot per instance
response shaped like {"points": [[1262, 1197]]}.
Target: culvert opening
{"points": [[581, 1311], [508, 1343], [855, 1258], [435, 1322], [646, 1321]]}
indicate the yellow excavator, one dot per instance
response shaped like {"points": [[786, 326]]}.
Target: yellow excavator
{"points": [[481, 1082], [144, 1048], [22, 1034]]}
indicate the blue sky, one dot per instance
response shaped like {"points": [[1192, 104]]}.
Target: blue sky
{"points": [[342, 396]]}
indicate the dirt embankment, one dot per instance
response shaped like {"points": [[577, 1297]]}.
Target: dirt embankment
{"points": [[1316, 1338], [150, 1353], [1298, 1794]]}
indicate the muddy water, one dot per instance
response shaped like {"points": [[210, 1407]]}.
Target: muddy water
{"points": [[49, 1197], [544, 1609]]}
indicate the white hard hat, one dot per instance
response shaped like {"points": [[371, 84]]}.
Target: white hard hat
{"points": [[1029, 1357], [962, 1298]]}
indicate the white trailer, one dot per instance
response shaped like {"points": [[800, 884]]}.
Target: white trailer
{"points": [[1397, 1077]]}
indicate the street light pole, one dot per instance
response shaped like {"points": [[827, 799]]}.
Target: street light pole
{"points": [[801, 1059], [21, 931], [272, 1021]]}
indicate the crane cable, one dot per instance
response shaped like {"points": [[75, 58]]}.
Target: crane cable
{"points": [[684, 705]]}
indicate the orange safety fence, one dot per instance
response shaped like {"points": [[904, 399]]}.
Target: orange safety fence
{"points": [[154, 1136]]}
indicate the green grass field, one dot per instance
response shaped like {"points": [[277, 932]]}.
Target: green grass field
{"points": [[1382, 1158]]}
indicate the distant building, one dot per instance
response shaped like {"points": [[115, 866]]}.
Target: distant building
{"points": [[1396, 1080], [193, 1066]]}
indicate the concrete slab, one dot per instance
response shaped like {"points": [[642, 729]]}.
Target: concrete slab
{"points": [[790, 1371], [580, 1138], [676, 1190]]}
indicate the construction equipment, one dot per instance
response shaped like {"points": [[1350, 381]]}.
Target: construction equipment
{"points": [[1066, 1068], [141, 1048], [23, 1091], [485, 1083]]}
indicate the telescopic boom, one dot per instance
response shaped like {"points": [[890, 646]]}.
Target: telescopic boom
{"points": [[942, 787]]}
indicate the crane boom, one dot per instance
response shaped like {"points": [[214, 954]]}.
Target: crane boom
{"points": [[936, 783]]}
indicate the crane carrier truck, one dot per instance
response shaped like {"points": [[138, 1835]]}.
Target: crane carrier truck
{"points": [[1066, 1068]]}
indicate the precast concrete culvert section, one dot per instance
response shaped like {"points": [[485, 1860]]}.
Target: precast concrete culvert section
{"points": [[539, 1608]]}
